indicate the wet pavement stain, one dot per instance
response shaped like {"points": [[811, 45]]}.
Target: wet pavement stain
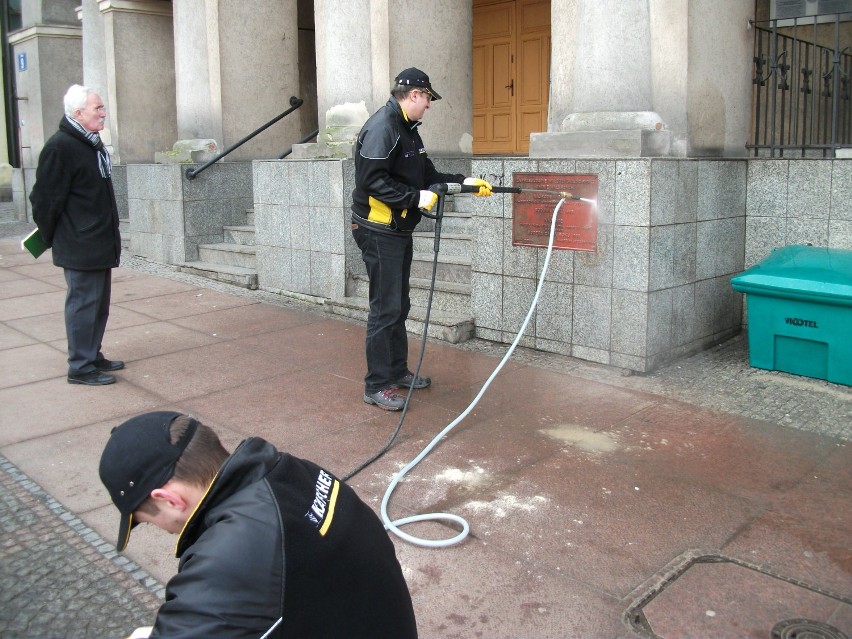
{"points": [[582, 438]]}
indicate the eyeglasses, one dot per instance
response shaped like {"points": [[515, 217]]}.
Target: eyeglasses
{"points": [[428, 95]]}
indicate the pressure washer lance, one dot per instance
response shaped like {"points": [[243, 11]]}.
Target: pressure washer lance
{"points": [[517, 189], [451, 188]]}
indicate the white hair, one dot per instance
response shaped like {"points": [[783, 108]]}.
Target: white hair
{"points": [[75, 98]]}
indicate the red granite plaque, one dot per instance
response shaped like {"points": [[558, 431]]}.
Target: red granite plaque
{"points": [[532, 212]]}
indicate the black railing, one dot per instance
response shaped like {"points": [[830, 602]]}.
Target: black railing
{"points": [[801, 99], [295, 103], [310, 136]]}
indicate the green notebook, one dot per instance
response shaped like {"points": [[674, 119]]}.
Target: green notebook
{"points": [[34, 243]]}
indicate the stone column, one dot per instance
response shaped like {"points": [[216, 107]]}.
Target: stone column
{"points": [[94, 61], [344, 54], [612, 67], [344, 74], [140, 77], [611, 96], [259, 72], [46, 59], [94, 54], [198, 82], [436, 37]]}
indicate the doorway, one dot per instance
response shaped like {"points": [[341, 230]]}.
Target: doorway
{"points": [[511, 74]]}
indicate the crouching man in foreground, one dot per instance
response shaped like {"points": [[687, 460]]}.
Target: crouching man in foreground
{"points": [[269, 545]]}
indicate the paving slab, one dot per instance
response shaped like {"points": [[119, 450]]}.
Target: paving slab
{"points": [[589, 492]]}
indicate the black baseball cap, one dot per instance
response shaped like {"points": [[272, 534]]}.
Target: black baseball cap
{"points": [[416, 78], [138, 458]]}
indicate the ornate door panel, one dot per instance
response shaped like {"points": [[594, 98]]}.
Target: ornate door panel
{"points": [[511, 71]]}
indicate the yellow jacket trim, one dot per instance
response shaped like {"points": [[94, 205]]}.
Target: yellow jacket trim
{"points": [[194, 510], [379, 212], [332, 502]]}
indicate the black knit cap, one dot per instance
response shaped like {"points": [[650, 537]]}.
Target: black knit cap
{"points": [[138, 458], [416, 78]]}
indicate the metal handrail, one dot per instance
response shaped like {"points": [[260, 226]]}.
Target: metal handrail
{"points": [[295, 103], [307, 138]]}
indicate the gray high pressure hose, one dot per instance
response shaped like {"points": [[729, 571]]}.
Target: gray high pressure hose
{"points": [[394, 525]]}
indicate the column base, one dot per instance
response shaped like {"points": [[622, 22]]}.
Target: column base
{"points": [[601, 144], [321, 150]]}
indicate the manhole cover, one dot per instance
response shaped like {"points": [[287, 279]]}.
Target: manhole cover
{"points": [[805, 629], [709, 595]]}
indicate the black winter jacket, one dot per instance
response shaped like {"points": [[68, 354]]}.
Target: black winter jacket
{"points": [[391, 168], [73, 205], [277, 536]]}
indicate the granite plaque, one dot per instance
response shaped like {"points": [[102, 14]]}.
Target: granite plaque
{"points": [[532, 211]]}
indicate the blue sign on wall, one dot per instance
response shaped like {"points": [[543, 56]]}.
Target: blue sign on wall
{"points": [[22, 62]]}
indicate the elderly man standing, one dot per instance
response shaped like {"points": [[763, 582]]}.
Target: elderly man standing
{"points": [[76, 213]]}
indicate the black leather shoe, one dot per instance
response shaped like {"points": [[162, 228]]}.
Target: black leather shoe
{"points": [[109, 364], [93, 378]]}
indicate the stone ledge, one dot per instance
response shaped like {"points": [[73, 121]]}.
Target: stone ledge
{"points": [[601, 144]]}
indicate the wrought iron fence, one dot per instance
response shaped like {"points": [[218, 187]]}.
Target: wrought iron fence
{"points": [[801, 101]]}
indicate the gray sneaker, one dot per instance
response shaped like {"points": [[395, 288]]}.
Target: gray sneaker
{"points": [[408, 381], [385, 399]]}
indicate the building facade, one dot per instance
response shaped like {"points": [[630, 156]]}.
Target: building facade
{"points": [[653, 98]]}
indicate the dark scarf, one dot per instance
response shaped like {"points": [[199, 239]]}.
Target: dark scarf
{"points": [[94, 139]]}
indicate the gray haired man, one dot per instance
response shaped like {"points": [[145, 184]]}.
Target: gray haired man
{"points": [[76, 213]]}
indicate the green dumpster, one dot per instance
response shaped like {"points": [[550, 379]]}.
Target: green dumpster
{"points": [[800, 312]]}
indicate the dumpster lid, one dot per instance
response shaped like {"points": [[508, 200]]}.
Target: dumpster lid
{"points": [[806, 269]]}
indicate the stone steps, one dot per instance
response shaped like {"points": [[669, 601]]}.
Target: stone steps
{"points": [[124, 231], [456, 244], [450, 319], [236, 275], [233, 261], [228, 254], [443, 325], [451, 268], [244, 234], [453, 297]]}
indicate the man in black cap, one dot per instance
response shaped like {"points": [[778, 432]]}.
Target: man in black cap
{"points": [[392, 175], [270, 545]]}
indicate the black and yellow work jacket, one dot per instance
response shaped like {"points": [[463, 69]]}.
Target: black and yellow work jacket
{"points": [[391, 168], [277, 537]]}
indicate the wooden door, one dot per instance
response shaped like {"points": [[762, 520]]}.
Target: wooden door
{"points": [[511, 71]]}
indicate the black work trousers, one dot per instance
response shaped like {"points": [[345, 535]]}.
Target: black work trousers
{"points": [[388, 261]]}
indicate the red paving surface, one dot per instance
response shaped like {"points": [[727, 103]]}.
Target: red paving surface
{"points": [[581, 495]]}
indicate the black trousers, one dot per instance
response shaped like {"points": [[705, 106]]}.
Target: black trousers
{"points": [[86, 314], [388, 261]]}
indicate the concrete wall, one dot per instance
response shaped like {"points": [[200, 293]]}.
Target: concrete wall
{"points": [[656, 288], [171, 215], [797, 202], [671, 235], [54, 55], [301, 216]]}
